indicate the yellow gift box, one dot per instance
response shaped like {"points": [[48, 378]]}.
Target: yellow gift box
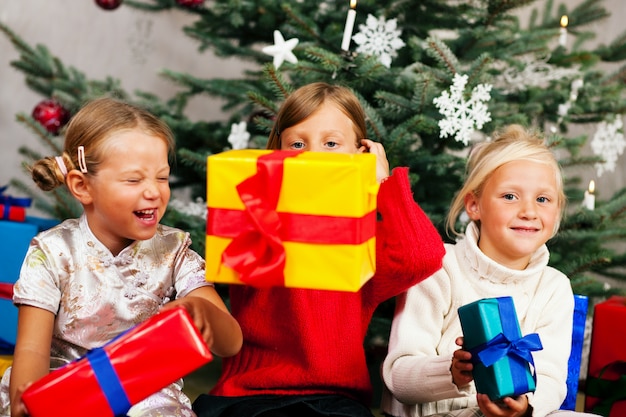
{"points": [[5, 362], [292, 219]]}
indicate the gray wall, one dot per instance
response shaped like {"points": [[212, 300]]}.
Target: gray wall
{"points": [[124, 43]]}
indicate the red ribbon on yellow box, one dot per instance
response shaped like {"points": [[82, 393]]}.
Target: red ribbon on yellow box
{"points": [[294, 219]]}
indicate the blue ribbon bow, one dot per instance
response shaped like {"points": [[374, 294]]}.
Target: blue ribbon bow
{"points": [[500, 346]]}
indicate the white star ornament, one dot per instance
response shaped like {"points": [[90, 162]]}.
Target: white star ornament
{"points": [[281, 50]]}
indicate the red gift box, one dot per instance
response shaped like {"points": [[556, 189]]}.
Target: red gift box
{"points": [[6, 290], [13, 213], [606, 378], [12, 208], [109, 380]]}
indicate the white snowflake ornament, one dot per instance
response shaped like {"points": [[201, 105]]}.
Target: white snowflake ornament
{"points": [[379, 37], [564, 108], [239, 135], [462, 117], [608, 143], [196, 208], [535, 72], [282, 50]]}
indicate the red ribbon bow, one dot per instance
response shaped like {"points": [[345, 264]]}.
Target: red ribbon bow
{"points": [[258, 255]]}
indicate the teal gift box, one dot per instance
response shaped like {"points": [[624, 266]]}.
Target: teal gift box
{"points": [[502, 358], [16, 237]]}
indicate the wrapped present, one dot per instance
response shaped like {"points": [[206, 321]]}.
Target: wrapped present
{"points": [[16, 237], [605, 388], [502, 358], [12, 208], [109, 380], [293, 219], [581, 305], [6, 291], [8, 326], [5, 362]]}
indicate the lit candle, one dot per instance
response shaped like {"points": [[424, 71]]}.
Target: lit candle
{"points": [[347, 31], [589, 202], [563, 35]]}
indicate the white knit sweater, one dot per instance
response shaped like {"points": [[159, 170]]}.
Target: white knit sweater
{"points": [[426, 324]]}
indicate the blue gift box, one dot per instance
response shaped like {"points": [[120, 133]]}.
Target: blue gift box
{"points": [[581, 305], [501, 357], [8, 326], [16, 237]]}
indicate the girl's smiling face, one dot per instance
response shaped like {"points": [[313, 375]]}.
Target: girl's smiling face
{"points": [[518, 210], [130, 192], [328, 129]]}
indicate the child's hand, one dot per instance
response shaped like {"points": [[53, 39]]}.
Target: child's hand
{"points": [[461, 366], [18, 409], [218, 328], [198, 308], [507, 407], [382, 165]]}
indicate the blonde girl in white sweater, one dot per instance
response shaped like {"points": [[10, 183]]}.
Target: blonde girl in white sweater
{"points": [[514, 198]]}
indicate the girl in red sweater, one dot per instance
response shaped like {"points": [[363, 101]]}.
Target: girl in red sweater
{"points": [[303, 352]]}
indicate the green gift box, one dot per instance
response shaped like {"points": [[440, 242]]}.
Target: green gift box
{"points": [[501, 357]]}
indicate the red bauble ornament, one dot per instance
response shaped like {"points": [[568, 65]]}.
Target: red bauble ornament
{"points": [[109, 4], [190, 3], [52, 115]]}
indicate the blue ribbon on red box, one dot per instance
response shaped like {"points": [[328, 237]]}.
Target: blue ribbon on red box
{"points": [[8, 201], [109, 381], [13, 201]]}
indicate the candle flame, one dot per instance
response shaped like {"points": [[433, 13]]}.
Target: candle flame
{"points": [[353, 4], [564, 21], [592, 186]]}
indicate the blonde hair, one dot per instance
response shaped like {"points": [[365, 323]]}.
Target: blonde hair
{"points": [[514, 143], [307, 99], [90, 128]]}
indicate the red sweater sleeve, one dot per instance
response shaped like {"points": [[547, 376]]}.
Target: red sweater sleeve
{"points": [[408, 246]]}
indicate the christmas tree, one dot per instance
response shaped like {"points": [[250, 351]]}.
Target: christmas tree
{"points": [[433, 76]]}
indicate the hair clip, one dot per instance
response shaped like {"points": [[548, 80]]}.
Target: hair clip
{"points": [[81, 159], [61, 165]]}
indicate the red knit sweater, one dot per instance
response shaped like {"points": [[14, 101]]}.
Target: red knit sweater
{"points": [[302, 342]]}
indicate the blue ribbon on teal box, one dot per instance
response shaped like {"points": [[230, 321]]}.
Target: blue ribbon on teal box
{"points": [[500, 355]]}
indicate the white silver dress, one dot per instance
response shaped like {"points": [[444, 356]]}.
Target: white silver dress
{"points": [[96, 296]]}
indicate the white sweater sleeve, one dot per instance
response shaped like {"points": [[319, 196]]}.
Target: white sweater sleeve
{"points": [[417, 367], [551, 316]]}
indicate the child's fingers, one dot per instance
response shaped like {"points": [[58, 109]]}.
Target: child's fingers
{"points": [[373, 147], [19, 409]]}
